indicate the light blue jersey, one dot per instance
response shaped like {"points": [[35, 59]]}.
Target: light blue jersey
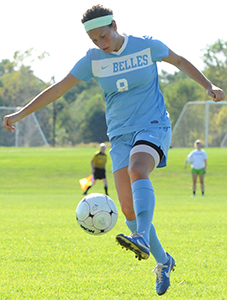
{"points": [[129, 81]]}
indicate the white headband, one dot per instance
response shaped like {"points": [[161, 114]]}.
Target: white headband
{"points": [[98, 22]]}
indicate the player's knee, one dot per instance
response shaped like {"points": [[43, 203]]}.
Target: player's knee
{"points": [[135, 171]]}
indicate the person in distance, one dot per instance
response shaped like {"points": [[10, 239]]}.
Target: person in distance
{"points": [[98, 165], [198, 160]]}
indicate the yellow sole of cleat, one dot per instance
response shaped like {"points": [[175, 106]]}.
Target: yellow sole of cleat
{"points": [[130, 246]]}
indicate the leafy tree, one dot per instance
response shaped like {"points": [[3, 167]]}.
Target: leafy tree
{"points": [[18, 82], [177, 90], [6, 66], [77, 109], [215, 60], [18, 85], [73, 93]]}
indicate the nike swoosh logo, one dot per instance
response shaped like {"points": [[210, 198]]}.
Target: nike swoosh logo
{"points": [[103, 68], [168, 273], [141, 245]]}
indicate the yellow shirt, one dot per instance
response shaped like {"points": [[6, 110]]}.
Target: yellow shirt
{"points": [[99, 160]]}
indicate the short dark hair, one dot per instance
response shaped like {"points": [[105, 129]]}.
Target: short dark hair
{"points": [[95, 12]]}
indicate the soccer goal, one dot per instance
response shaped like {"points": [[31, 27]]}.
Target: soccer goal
{"points": [[27, 133], [204, 120]]}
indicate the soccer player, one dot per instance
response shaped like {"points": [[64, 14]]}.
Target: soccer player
{"points": [[139, 126], [198, 160], [98, 164]]}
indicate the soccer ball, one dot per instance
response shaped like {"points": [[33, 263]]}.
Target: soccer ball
{"points": [[96, 214]]}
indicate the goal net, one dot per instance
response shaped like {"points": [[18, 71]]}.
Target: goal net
{"points": [[204, 120], [27, 133]]}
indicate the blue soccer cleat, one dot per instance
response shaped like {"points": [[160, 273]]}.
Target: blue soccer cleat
{"points": [[134, 243], [162, 272]]}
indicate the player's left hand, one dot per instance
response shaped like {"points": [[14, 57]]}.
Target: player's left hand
{"points": [[7, 123], [216, 93]]}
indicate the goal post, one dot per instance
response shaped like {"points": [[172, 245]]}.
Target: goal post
{"points": [[204, 120], [28, 132]]}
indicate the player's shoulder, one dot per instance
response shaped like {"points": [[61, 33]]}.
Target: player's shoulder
{"points": [[143, 39], [95, 53], [139, 37], [192, 152], [204, 152]]}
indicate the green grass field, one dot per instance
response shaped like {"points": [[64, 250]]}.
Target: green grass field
{"points": [[45, 255]]}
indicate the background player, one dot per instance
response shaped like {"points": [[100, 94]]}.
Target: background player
{"points": [[139, 126], [98, 164], [198, 160]]}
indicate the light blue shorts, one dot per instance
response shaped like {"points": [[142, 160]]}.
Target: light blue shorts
{"points": [[121, 145]]}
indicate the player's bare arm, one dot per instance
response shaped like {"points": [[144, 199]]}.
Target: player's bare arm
{"points": [[46, 97], [185, 66]]}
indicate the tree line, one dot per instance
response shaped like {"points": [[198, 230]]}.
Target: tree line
{"points": [[79, 115]]}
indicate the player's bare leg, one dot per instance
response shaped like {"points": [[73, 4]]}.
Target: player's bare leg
{"points": [[194, 182], [104, 180], [124, 191], [202, 185]]}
